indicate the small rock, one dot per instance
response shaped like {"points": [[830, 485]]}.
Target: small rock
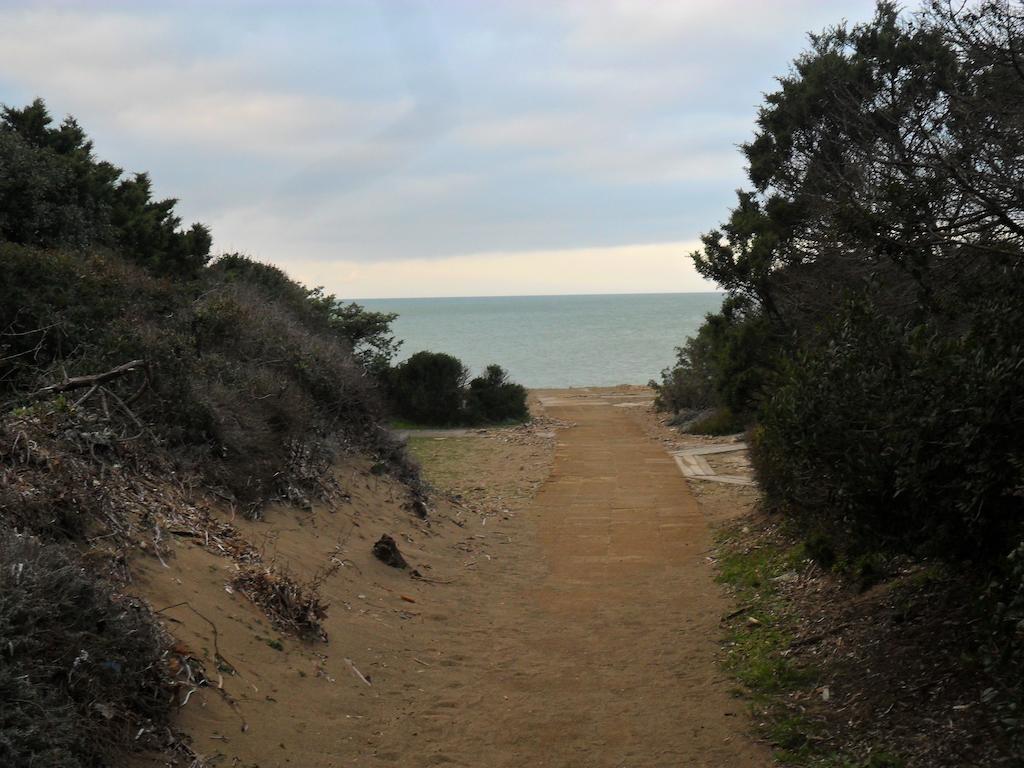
{"points": [[418, 507], [386, 550]]}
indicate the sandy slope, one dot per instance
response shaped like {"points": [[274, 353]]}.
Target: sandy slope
{"points": [[579, 628]]}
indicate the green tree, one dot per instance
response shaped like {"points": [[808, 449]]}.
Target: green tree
{"points": [[369, 333], [54, 193], [878, 258]]}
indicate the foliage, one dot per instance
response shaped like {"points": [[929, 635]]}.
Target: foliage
{"points": [[907, 450], [54, 193], [230, 373], [80, 670], [244, 368], [368, 333], [430, 388], [724, 366], [493, 398], [721, 421], [878, 263]]}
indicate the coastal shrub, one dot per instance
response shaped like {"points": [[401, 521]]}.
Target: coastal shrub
{"points": [[368, 333], [721, 421], [875, 287], [269, 380], [904, 437], [81, 670], [430, 388], [725, 366], [493, 398], [690, 384]]}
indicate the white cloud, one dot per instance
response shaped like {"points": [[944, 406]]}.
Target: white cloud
{"points": [[628, 26], [134, 71], [645, 268], [319, 140]]}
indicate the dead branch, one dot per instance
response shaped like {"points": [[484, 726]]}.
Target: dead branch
{"points": [[77, 382]]}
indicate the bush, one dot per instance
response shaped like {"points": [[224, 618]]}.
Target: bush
{"points": [[240, 368], [80, 670], [904, 437], [727, 364], [722, 421], [493, 398], [367, 333], [430, 388]]}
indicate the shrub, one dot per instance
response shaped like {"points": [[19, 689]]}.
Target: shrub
{"points": [[722, 421], [430, 388], [367, 333], [80, 670], [239, 368], [727, 364], [493, 398], [904, 436]]}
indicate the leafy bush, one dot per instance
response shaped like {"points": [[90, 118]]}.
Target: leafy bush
{"points": [[719, 422], [727, 364], [430, 388], [877, 264], [901, 436], [230, 367], [368, 333], [493, 398], [80, 670]]}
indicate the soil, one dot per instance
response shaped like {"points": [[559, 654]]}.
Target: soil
{"points": [[566, 613]]}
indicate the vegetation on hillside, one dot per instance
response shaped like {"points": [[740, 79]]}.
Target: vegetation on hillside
{"points": [[871, 334], [135, 372]]}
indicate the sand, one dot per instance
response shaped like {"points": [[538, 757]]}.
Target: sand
{"points": [[572, 617]]}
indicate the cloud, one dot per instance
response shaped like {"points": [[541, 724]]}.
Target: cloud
{"points": [[406, 141], [614, 27], [135, 71], [643, 268]]}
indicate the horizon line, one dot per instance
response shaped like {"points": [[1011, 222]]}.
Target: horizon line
{"points": [[527, 295]]}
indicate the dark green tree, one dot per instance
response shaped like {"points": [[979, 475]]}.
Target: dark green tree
{"points": [[54, 193]]}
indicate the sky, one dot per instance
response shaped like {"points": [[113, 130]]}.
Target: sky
{"points": [[398, 148]]}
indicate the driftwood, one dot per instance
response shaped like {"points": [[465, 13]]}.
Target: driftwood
{"points": [[77, 382]]}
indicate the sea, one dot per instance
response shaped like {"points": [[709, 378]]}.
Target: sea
{"points": [[554, 341]]}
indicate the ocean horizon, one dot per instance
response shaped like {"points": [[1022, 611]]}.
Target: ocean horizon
{"points": [[553, 341]]}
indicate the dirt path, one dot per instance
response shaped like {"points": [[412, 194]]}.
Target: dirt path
{"points": [[570, 618], [603, 655]]}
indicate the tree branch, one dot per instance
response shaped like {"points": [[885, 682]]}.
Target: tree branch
{"points": [[78, 382]]}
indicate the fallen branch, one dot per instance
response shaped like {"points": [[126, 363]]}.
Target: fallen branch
{"points": [[78, 382], [358, 674]]}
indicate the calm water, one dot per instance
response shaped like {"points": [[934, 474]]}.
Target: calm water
{"points": [[554, 341]]}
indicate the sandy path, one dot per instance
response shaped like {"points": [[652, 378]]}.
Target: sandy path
{"points": [[573, 627], [602, 654]]}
